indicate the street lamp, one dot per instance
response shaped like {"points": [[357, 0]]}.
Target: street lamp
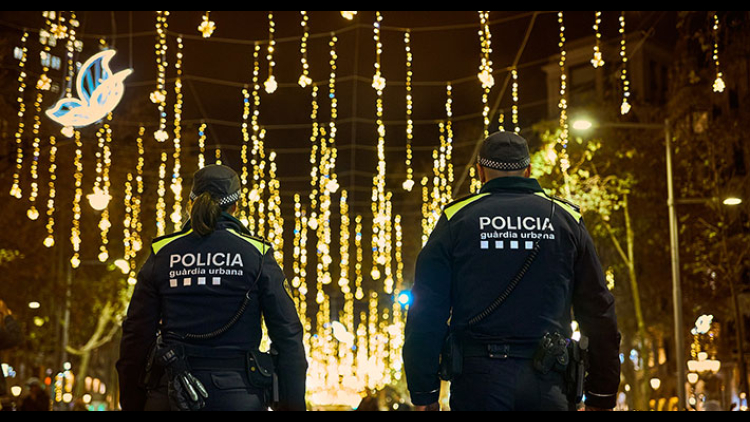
{"points": [[584, 124]]}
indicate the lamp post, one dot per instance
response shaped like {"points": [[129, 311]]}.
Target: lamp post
{"points": [[586, 124]]}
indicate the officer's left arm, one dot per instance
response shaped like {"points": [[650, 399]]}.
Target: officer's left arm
{"points": [[138, 335], [285, 331], [427, 322], [594, 307]]}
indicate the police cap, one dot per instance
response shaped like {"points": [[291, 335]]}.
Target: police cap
{"points": [[220, 181], [505, 151]]}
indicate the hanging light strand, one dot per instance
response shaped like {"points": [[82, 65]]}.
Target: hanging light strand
{"points": [[378, 81], [485, 69], [176, 186], [514, 108], [719, 84], [75, 229], [304, 79], [563, 104], [271, 85], [202, 146], [49, 241], [15, 190], [159, 96], [597, 61], [409, 183], [625, 106]]}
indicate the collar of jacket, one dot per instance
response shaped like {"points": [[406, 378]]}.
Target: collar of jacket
{"points": [[521, 184], [226, 221]]}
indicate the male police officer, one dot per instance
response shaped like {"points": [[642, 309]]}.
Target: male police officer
{"points": [[203, 291], [505, 266]]}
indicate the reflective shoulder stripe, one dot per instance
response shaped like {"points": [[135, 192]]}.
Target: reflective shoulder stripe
{"points": [[156, 246], [458, 206], [567, 207], [260, 246]]}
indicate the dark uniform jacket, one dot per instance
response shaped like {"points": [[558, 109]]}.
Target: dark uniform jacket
{"points": [[477, 247], [195, 285]]}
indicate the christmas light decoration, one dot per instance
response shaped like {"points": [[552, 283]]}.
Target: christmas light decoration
{"points": [[348, 15], [563, 104], [159, 96], [485, 69], [408, 185], [270, 84], [378, 81], [719, 84], [15, 190], [207, 26], [625, 106], [49, 241], [514, 108], [75, 229], [597, 61], [176, 186], [202, 146], [304, 79]]}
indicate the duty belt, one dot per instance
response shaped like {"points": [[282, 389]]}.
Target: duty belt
{"points": [[499, 350], [236, 363]]}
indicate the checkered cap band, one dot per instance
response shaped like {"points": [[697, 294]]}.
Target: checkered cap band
{"points": [[229, 199], [504, 166]]}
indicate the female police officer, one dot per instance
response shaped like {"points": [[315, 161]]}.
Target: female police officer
{"points": [[190, 340]]}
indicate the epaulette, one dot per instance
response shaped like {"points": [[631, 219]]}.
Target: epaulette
{"points": [[456, 206], [572, 205], [262, 245], [159, 242]]}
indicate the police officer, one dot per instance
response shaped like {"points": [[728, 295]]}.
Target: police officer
{"points": [[498, 278], [190, 340]]}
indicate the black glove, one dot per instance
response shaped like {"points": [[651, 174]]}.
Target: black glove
{"points": [[186, 393]]}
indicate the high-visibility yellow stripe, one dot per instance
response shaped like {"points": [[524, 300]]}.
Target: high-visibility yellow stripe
{"points": [[262, 247], [157, 246], [453, 209], [572, 211]]}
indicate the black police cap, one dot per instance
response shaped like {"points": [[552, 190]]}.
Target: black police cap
{"points": [[505, 151], [220, 181]]}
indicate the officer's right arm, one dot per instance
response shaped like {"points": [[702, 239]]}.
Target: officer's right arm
{"points": [[427, 322], [285, 331], [594, 307], [138, 335]]}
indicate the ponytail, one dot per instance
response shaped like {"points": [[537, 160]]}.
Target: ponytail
{"points": [[204, 214]]}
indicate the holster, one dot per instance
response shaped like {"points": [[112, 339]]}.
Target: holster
{"points": [[261, 370], [576, 373], [567, 357], [451, 357]]}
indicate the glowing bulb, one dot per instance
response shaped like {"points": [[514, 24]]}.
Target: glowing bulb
{"points": [[68, 131], [349, 15], [161, 135], [207, 27], [99, 200], [378, 82], [123, 266], [625, 107], [719, 84], [32, 213], [75, 262], [49, 241], [103, 256], [732, 201], [270, 84], [408, 185], [486, 78], [157, 96], [304, 81]]}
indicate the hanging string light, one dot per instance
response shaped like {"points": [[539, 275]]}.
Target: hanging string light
{"points": [[379, 201], [49, 241], [159, 96], [15, 190], [348, 15], [408, 185], [344, 236], [563, 104], [275, 217], [104, 223], [485, 69], [719, 84], [304, 79], [331, 183], [176, 186], [68, 131], [271, 85], [161, 191], [625, 106], [136, 225], [243, 156], [75, 229], [207, 26], [378, 81], [514, 108], [597, 61], [359, 294], [313, 154], [202, 146]]}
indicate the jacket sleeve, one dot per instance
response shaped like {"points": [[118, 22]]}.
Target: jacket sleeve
{"points": [[285, 331], [138, 335], [10, 335], [427, 321], [594, 307]]}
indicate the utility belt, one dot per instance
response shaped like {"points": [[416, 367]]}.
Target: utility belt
{"points": [[178, 362], [553, 353]]}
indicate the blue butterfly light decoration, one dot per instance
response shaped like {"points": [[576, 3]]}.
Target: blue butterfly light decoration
{"points": [[99, 91]]}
